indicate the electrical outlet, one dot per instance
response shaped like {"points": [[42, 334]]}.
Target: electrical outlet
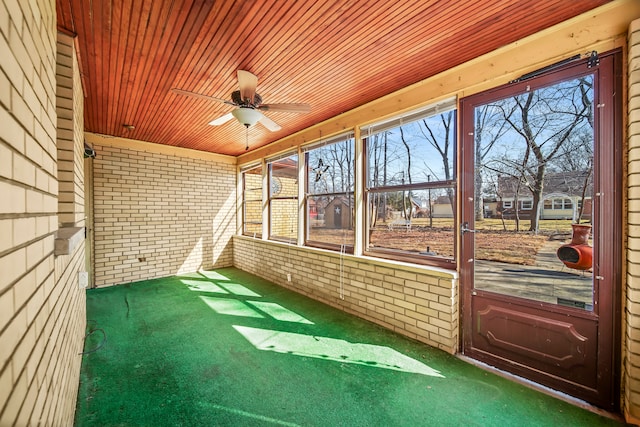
{"points": [[288, 277], [83, 279]]}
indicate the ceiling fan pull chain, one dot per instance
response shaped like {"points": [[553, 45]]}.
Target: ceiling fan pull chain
{"points": [[246, 148]]}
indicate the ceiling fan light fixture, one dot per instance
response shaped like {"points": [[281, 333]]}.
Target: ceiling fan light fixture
{"points": [[247, 116]]}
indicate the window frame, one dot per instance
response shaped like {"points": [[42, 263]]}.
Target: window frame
{"points": [[271, 197], [243, 173], [344, 248], [526, 205], [451, 184]]}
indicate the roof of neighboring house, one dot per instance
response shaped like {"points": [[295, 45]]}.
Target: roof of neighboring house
{"points": [[340, 199], [571, 183], [442, 200]]}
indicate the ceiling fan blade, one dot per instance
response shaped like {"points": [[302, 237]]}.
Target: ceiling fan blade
{"points": [[200, 96], [221, 120], [247, 83], [269, 124], [289, 108]]}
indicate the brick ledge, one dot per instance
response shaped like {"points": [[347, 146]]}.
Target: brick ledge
{"points": [[67, 238]]}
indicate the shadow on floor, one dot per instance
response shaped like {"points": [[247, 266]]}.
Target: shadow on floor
{"points": [[225, 348]]}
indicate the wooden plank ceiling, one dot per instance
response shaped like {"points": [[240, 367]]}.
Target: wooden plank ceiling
{"points": [[333, 55]]}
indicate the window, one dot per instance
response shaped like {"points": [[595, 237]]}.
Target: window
{"points": [[559, 204], [283, 198], [526, 205], [329, 201], [568, 204], [410, 195], [252, 201], [507, 204]]}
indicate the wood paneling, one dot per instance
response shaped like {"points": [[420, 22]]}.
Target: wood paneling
{"points": [[333, 55]]}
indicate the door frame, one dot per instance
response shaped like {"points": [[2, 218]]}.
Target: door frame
{"points": [[607, 257]]}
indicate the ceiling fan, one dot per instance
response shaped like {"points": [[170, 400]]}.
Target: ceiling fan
{"points": [[249, 103]]}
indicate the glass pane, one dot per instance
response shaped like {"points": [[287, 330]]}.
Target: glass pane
{"points": [[331, 219], [534, 189], [253, 217], [253, 179], [252, 197], [284, 219], [254, 230], [416, 152], [253, 194], [283, 179], [331, 168], [417, 221]]}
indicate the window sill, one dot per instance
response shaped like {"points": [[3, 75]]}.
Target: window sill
{"points": [[67, 239]]}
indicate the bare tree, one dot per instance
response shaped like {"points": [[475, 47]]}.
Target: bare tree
{"points": [[443, 145], [488, 130], [545, 120]]}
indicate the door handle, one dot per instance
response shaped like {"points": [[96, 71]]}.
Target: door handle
{"points": [[464, 228]]}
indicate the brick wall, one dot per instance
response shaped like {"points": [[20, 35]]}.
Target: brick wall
{"points": [[284, 212], [631, 359], [70, 135], [419, 302], [42, 309], [159, 214]]}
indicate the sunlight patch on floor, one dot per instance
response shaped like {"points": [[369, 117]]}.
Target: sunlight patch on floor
{"points": [[334, 349], [278, 312], [203, 286], [230, 307]]}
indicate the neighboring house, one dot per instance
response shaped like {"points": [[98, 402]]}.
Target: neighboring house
{"points": [[562, 197], [442, 207]]}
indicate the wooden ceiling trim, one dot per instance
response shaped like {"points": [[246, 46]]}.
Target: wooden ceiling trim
{"points": [[345, 56], [250, 51], [218, 21], [429, 44], [64, 16]]}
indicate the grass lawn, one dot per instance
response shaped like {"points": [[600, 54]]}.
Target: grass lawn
{"points": [[496, 240]]}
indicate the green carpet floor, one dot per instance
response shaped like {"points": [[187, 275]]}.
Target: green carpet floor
{"points": [[225, 348]]}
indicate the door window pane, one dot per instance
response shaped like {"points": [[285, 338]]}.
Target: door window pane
{"points": [[537, 148]]}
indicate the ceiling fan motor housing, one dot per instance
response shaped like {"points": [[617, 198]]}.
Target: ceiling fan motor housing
{"points": [[237, 99]]}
